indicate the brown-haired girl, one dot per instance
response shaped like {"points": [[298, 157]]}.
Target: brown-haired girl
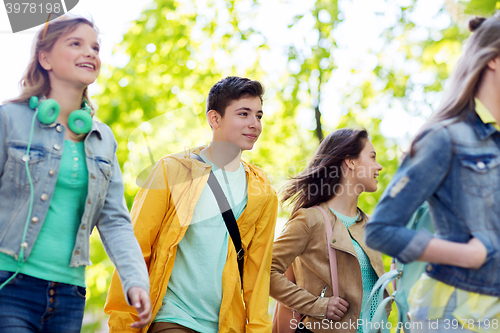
{"points": [[343, 167]]}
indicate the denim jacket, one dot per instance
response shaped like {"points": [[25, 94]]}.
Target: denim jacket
{"points": [[456, 168], [105, 204]]}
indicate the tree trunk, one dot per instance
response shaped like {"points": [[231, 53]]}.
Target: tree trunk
{"points": [[317, 115]]}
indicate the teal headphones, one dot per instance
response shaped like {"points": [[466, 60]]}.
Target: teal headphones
{"points": [[79, 121]]}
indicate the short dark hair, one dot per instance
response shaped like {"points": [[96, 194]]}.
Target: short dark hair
{"points": [[232, 88]]}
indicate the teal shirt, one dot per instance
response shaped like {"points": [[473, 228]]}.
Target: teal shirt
{"points": [[51, 254], [368, 274], [194, 291]]}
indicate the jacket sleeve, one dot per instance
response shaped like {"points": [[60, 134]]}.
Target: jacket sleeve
{"points": [[117, 235], [257, 268], [290, 244], [148, 212], [417, 179]]}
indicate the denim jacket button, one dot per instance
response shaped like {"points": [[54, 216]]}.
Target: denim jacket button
{"points": [[481, 165], [52, 172], [44, 197], [83, 227], [34, 220], [59, 128], [77, 252], [57, 147]]}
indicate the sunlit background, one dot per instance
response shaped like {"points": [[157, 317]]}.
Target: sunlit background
{"points": [[377, 64]]}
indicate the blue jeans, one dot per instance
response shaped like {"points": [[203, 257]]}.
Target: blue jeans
{"points": [[28, 304]]}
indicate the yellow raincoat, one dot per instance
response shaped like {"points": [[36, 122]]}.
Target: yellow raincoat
{"points": [[161, 214]]}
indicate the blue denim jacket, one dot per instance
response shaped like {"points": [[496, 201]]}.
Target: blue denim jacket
{"points": [[456, 168], [105, 205]]}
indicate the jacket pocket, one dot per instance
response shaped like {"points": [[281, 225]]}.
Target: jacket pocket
{"points": [[17, 168], [480, 174], [104, 177]]}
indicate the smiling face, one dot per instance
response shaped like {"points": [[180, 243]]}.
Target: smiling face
{"points": [[241, 124], [74, 58], [366, 168]]}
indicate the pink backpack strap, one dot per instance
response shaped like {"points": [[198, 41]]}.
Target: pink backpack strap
{"points": [[331, 252]]}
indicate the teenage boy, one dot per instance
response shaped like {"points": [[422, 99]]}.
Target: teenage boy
{"points": [[177, 219]]}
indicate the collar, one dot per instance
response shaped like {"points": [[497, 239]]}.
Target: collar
{"points": [[188, 161], [485, 115], [95, 128], [482, 130]]}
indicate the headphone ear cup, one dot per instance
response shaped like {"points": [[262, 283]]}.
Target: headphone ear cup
{"points": [[48, 111], [80, 122]]}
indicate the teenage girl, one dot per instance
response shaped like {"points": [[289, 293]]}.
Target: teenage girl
{"points": [[454, 164], [343, 167], [59, 177]]}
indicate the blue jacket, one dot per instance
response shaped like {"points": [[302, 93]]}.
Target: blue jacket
{"points": [[456, 168], [105, 205]]}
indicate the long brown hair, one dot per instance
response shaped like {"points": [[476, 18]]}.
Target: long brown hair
{"points": [[482, 47], [35, 80], [318, 182]]}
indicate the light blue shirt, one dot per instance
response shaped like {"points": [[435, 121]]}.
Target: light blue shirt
{"points": [[194, 292], [368, 275]]}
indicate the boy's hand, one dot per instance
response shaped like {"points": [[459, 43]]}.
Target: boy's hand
{"points": [[139, 298]]}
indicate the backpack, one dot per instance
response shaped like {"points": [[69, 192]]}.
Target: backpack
{"points": [[406, 275]]}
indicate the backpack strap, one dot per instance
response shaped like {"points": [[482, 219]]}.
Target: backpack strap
{"points": [[227, 215], [331, 252]]}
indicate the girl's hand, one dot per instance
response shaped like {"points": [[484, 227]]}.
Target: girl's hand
{"points": [[477, 253], [139, 298], [336, 308]]}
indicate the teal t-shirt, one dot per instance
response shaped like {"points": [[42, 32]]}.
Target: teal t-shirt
{"points": [[368, 274], [194, 291], [49, 260]]}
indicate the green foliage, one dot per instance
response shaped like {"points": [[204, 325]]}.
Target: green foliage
{"points": [[481, 7], [98, 277]]}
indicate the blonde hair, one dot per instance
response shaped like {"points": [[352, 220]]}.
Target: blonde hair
{"points": [[35, 80], [482, 47]]}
